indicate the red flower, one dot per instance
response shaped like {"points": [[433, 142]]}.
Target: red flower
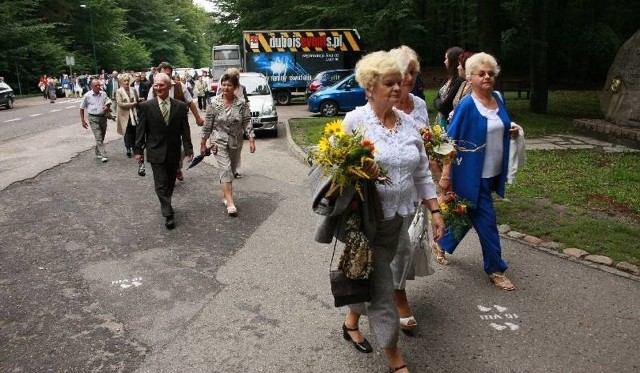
{"points": [[459, 210], [368, 144], [450, 196]]}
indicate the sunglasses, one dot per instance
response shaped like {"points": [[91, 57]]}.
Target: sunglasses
{"points": [[482, 74]]}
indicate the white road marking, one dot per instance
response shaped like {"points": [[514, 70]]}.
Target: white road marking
{"points": [[71, 107], [12, 120], [55, 110], [499, 308], [126, 283], [35, 115], [498, 316]]}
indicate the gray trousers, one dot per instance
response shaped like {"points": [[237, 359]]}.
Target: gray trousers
{"points": [[99, 129], [381, 311]]}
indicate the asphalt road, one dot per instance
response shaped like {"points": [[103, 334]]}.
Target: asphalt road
{"points": [[91, 281]]}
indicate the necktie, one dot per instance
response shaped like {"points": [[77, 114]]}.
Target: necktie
{"points": [[165, 112]]}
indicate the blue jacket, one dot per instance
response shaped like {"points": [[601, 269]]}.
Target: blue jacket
{"points": [[469, 130]]}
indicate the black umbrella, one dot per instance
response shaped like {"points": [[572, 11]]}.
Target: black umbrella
{"points": [[197, 159]]}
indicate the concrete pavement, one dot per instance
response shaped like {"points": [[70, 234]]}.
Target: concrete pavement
{"points": [[90, 281]]}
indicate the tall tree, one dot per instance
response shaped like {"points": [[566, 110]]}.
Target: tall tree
{"points": [[539, 56]]}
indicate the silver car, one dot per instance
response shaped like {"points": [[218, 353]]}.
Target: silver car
{"points": [[264, 116], [7, 97]]}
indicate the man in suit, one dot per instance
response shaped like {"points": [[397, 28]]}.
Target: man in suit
{"points": [[162, 128], [111, 88], [180, 92]]}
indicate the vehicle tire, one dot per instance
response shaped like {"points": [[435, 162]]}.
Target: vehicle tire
{"points": [[10, 104], [274, 132], [329, 109], [283, 97]]}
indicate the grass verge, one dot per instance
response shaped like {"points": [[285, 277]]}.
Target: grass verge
{"points": [[578, 198]]}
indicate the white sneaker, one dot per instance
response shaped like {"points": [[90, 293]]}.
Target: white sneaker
{"points": [[104, 159]]}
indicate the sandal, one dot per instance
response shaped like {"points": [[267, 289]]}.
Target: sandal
{"points": [[439, 253], [501, 281], [408, 324], [232, 211], [393, 370]]}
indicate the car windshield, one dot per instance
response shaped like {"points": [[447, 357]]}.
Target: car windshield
{"points": [[255, 86], [4, 86]]}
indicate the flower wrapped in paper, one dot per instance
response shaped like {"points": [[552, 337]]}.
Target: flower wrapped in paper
{"points": [[345, 158], [437, 144], [455, 211]]}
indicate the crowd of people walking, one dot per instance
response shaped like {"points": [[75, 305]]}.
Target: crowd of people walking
{"points": [[475, 118], [152, 118]]}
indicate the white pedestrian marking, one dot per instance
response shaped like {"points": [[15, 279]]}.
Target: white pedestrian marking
{"points": [[35, 115], [126, 283], [55, 110], [512, 326], [499, 315], [12, 120], [500, 308], [71, 107]]}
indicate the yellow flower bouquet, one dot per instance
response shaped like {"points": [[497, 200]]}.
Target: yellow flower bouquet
{"points": [[345, 157], [437, 144], [455, 211]]}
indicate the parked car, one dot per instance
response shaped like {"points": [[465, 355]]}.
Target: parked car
{"points": [[7, 97], [326, 79], [343, 96], [264, 116]]}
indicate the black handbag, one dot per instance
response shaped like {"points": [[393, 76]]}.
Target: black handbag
{"points": [[345, 290]]}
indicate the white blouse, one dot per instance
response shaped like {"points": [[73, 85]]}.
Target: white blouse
{"points": [[401, 154], [419, 114], [492, 165]]}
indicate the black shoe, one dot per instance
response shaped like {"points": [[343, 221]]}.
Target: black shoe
{"points": [[129, 152], [363, 346], [236, 175], [141, 170], [170, 223]]}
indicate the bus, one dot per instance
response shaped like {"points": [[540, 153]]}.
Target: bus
{"points": [[222, 58]]}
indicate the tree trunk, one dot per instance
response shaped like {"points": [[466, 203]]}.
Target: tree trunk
{"points": [[539, 59], [490, 26]]}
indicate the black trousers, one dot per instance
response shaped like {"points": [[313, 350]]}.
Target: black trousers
{"points": [[164, 180], [202, 102], [130, 136]]}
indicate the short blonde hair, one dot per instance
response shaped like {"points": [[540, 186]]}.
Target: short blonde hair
{"points": [[123, 77], [232, 71], [406, 56], [478, 59], [373, 65]]}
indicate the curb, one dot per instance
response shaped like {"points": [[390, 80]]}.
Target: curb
{"points": [[599, 262]]}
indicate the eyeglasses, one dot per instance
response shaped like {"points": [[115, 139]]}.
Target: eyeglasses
{"points": [[481, 74]]}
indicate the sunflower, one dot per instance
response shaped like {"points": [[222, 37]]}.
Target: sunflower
{"points": [[334, 128]]}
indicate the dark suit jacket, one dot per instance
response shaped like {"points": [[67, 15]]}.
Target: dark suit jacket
{"points": [[111, 92], [163, 141]]}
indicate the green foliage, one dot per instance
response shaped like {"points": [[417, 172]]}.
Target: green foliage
{"points": [[579, 198], [585, 34]]}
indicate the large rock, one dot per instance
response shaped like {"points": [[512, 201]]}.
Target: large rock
{"points": [[620, 100]]}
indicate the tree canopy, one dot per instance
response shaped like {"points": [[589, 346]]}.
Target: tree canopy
{"points": [[581, 38]]}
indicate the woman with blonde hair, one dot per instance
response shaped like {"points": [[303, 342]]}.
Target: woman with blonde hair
{"points": [[411, 259], [399, 150], [482, 125], [127, 119]]}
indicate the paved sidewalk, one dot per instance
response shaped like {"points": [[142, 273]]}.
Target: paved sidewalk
{"points": [[575, 142]]}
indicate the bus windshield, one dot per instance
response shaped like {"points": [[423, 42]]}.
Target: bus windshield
{"points": [[224, 57]]}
